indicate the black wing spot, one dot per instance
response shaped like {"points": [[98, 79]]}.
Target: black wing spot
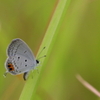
{"points": [[16, 71], [25, 51], [25, 60], [18, 57], [25, 65], [9, 65], [10, 69]]}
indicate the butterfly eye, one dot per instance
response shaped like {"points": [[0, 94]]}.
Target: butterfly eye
{"points": [[37, 61]]}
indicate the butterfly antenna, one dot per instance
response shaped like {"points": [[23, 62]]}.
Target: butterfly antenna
{"points": [[42, 57], [37, 60], [40, 53]]}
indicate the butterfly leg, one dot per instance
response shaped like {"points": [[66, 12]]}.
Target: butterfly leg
{"points": [[25, 75]]}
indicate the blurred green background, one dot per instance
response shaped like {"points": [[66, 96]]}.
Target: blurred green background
{"points": [[76, 49]]}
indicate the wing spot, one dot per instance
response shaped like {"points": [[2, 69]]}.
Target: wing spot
{"points": [[18, 57], [10, 69], [25, 65], [25, 60], [25, 51]]}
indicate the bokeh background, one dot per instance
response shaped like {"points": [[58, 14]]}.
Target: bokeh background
{"points": [[76, 49]]}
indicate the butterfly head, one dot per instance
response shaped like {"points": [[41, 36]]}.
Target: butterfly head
{"points": [[37, 61]]}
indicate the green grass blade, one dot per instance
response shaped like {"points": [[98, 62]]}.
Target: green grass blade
{"points": [[48, 41]]}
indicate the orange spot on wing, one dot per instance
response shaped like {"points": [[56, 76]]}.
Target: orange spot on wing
{"points": [[11, 67]]}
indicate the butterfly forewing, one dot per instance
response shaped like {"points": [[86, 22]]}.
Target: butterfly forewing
{"points": [[17, 46]]}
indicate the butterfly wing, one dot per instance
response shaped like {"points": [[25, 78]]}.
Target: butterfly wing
{"points": [[18, 46], [21, 56]]}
